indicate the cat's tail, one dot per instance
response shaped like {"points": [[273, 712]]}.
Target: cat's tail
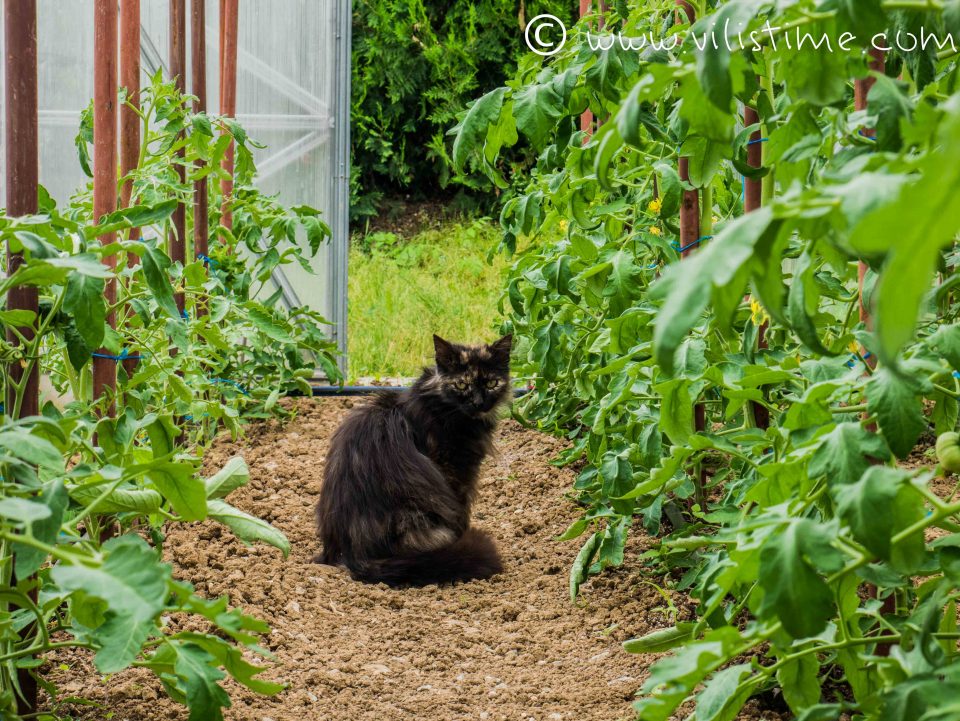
{"points": [[472, 556]]}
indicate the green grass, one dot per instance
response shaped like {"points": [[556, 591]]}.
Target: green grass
{"points": [[403, 291]]}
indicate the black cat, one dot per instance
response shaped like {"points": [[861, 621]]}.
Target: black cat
{"points": [[401, 474]]}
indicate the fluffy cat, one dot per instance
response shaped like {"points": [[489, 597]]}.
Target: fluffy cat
{"points": [[401, 474]]}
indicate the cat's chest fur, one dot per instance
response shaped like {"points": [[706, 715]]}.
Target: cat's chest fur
{"points": [[458, 446]]}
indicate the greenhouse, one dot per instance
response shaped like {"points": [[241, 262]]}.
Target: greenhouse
{"points": [[498, 359]]}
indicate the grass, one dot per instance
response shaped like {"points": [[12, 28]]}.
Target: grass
{"points": [[404, 291]]}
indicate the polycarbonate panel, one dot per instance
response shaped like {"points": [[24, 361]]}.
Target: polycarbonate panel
{"points": [[292, 95]]}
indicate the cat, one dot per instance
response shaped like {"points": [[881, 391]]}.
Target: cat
{"points": [[401, 474]]}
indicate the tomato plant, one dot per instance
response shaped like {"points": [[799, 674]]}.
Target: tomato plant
{"points": [[84, 497], [808, 552]]}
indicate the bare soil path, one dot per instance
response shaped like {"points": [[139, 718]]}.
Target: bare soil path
{"points": [[511, 648]]}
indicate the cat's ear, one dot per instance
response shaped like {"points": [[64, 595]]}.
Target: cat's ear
{"points": [[500, 351], [446, 354]]}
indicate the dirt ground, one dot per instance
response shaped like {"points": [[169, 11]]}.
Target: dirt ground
{"points": [[511, 648]]}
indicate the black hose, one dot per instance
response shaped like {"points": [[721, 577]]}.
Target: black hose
{"points": [[324, 391]]}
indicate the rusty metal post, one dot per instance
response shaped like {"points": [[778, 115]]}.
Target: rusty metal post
{"points": [[198, 86], [129, 120], [177, 241], [22, 178], [105, 167], [230, 14]]}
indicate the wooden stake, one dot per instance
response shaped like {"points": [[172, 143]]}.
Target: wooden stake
{"points": [[198, 86], [105, 168], [129, 121], [22, 178], [861, 89], [230, 12], [752, 200], [689, 243], [177, 243]]}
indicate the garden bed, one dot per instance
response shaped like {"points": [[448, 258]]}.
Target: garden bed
{"points": [[510, 648]]}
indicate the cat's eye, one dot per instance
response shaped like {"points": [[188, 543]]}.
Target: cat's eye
{"points": [[460, 385], [492, 383]]}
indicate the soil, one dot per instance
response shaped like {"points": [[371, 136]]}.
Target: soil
{"points": [[513, 647], [406, 218]]}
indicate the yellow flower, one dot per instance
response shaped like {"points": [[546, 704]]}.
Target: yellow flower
{"points": [[563, 226], [757, 313], [654, 230], [853, 346], [655, 205]]}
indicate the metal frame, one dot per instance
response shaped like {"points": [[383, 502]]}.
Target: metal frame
{"points": [[341, 220], [318, 124]]}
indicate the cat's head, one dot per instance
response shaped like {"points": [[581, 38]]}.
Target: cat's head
{"points": [[475, 378]]}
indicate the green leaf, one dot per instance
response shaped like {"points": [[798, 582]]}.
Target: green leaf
{"points": [[899, 409], [877, 507], [120, 500], [537, 109], [793, 591], [475, 125], [676, 410], [662, 640], [84, 301], [722, 698], [53, 497], [32, 448], [23, 511], [133, 584], [155, 264], [910, 232], [798, 678], [246, 527], [267, 324], [232, 476], [713, 62], [198, 674], [890, 105], [688, 285], [846, 452], [179, 485], [704, 159], [581, 566], [802, 304]]}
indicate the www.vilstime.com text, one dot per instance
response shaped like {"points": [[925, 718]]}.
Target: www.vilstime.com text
{"points": [[777, 38]]}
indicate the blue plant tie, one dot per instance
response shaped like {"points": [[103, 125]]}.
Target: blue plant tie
{"points": [[124, 355], [956, 374], [183, 314], [853, 359], [207, 259], [863, 134], [758, 140], [227, 381], [676, 246]]}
